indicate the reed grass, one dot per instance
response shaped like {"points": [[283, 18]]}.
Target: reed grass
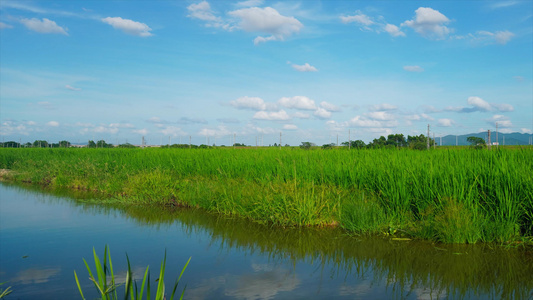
{"points": [[106, 284], [448, 195]]}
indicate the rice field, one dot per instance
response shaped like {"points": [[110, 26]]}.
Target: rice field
{"points": [[446, 195]]}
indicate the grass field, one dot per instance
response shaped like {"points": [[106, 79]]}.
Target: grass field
{"points": [[448, 195]]}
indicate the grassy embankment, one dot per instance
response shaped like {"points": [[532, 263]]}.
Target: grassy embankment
{"points": [[456, 196]]}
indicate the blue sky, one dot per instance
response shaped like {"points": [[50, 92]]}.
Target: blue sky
{"points": [[312, 70]]}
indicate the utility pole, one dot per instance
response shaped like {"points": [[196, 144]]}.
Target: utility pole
{"points": [[489, 144], [504, 140], [440, 140], [428, 138], [433, 140]]}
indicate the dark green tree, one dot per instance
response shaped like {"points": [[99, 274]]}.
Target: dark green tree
{"points": [[476, 142]]}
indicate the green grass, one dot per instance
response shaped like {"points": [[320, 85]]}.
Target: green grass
{"points": [[106, 285], [448, 195]]}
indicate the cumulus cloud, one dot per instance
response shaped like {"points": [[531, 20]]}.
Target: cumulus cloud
{"points": [[202, 11], [419, 117], [380, 115], [297, 102], [359, 121], [272, 116], [393, 30], [413, 68], [367, 23], [52, 124], [253, 103], [481, 105], [69, 87], [383, 107], [219, 131], [429, 23], [446, 122], [329, 106], [44, 26], [290, 127], [322, 113], [500, 120], [358, 18], [266, 20], [128, 26], [304, 68]]}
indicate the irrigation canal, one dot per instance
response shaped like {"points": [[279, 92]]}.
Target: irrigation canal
{"points": [[44, 236]]}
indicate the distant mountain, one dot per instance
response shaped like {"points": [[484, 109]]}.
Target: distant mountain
{"points": [[507, 139]]}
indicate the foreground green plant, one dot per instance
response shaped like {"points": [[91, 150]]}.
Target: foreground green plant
{"points": [[5, 292], [105, 280]]}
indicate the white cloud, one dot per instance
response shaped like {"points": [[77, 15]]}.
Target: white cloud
{"points": [[358, 18], [419, 117], [383, 107], [44, 26], [518, 78], [219, 131], [499, 37], [479, 103], [329, 106], [68, 87], [503, 107], [272, 116], [128, 26], [413, 68], [429, 23], [502, 4], [525, 130], [266, 20], [5, 26], [301, 115], [304, 68], [52, 124], [393, 30], [380, 115], [297, 102], [359, 121], [322, 113], [446, 122], [143, 131], [254, 103], [202, 11], [290, 127], [502, 37], [501, 120]]}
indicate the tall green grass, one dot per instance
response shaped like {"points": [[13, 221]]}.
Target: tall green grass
{"points": [[106, 283], [448, 195]]}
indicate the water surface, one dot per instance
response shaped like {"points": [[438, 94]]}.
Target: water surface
{"points": [[44, 236]]}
